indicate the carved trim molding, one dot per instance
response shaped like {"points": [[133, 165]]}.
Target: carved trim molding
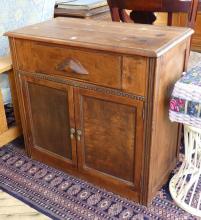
{"points": [[147, 130], [82, 85]]}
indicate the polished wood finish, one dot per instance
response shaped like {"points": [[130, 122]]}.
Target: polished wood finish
{"points": [[122, 138], [80, 66], [7, 134], [104, 36]]}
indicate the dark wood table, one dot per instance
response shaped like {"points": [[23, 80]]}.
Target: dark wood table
{"points": [[149, 6]]}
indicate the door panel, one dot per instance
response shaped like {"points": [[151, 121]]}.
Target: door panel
{"points": [[51, 117], [108, 131], [112, 141]]}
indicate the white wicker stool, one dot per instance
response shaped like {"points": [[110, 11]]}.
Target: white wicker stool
{"points": [[185, 186]]}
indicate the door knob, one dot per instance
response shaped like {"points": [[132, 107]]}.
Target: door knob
{"points": [[79, 133], [72, 132]]}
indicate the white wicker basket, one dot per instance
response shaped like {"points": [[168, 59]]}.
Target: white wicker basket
{"points": [[185, 186]]}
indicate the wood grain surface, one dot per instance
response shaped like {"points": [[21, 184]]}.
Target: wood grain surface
{"points": [[145, 40], [123, 139]]}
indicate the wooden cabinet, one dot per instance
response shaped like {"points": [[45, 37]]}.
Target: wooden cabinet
{"points": [[94, 100]]}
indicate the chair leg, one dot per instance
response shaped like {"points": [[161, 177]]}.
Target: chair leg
{"points": [[193, 13], [170, 17], [124, 16], [114, 12]]}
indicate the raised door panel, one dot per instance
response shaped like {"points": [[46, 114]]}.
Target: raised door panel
{"points": [[111, 140], [50, 115]]}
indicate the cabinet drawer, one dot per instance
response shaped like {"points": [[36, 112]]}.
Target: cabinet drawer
{"points": [[87, 65]]}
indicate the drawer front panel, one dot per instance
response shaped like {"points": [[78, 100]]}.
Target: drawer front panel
{"points": [[95, 67]]}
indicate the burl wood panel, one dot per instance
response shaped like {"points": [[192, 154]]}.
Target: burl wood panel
{"points": [[112, 128], [101, 68], [109, 133], [50, 119]]}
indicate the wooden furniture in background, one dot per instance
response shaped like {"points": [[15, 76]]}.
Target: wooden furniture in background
{"points": [[117, 9], [7, 134], [179, 7], [179, 19], [94, 100]]}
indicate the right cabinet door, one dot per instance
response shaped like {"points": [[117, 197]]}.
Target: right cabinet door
{"points": [[109, 138]]}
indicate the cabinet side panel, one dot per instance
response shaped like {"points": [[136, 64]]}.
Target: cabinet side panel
{"points": [[164, 142]]}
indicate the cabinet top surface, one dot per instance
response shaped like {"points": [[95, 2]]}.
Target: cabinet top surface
{"points": [[138, 39]]}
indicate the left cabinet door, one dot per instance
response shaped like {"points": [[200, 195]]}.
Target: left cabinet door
{"points": [[50, 121]]}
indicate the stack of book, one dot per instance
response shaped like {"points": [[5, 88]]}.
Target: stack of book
{"points": [[81, 8]]}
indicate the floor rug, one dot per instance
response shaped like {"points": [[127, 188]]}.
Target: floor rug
{"points": [[61, 196]]}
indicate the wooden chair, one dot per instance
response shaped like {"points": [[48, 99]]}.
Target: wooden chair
{"points": [[7, 134], [118, 9]]}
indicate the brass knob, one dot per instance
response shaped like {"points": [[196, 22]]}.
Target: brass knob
{"points": [[72, 132], [79, 133]]}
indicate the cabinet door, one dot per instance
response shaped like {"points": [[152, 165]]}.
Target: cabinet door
{"points": [[50, 121], [109, 138]]}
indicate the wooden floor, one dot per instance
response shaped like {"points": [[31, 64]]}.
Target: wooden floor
{"points": [[13, 209]]}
